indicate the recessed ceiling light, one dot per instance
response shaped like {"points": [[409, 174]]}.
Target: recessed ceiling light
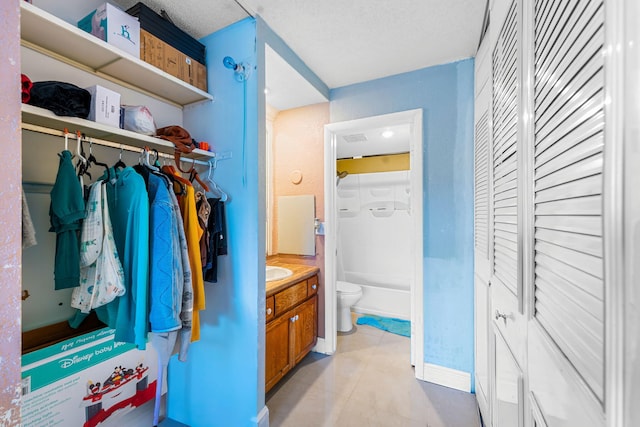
{"points": [[387, 134], [267, 90]]}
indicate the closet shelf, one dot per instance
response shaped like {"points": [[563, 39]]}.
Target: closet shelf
{"points": [[40, 117], [51, 35]]}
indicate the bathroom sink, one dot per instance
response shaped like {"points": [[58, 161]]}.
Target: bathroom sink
{"points": [[277, 273]]}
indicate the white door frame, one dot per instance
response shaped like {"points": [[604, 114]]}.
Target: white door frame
{"points": [[414, 119]]}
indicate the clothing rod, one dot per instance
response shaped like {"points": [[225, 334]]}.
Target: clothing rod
{"points": [[37, 187], [111, 144]]}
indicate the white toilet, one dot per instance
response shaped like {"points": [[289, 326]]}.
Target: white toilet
{"points": [[348, 294]]}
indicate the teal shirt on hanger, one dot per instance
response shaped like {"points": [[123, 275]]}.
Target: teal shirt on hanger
{"points": [[129, 209], [66, 213]]}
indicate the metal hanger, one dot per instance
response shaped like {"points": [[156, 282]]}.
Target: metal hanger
{"points": [[193, 175], [92, 159], [144, 160], [82, 165], [215, 188], [156, 163], [120, 163]]}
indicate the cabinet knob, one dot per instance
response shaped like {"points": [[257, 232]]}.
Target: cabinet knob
{"points": [[293, 319], [269, 311], [501, 316], [314, 286]]}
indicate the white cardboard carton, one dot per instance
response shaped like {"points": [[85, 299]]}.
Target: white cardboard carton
{"points": [[105, 106], [114, 26]]}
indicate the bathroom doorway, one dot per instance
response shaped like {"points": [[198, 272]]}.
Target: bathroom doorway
{"points": [[410, 205]]}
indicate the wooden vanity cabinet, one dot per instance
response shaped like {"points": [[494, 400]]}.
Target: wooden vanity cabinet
{"points": [[305, 330], [292, 328]]}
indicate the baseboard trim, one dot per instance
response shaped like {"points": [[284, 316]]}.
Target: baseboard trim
{"points": [[447, 377], [262, 419]]}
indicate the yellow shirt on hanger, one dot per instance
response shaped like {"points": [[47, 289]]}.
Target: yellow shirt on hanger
{"points": [[193, 233]]}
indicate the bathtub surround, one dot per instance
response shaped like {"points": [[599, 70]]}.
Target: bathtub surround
{"points": [[374, 235]]}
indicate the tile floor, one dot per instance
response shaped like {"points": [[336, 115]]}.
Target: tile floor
{"points": [[368, 382]]}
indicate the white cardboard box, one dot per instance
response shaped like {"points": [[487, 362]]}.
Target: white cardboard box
{"points": [[105, 106], [114, 26]]}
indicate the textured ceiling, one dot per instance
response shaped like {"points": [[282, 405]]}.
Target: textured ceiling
{"points": [[199, 18], [346, 42]]}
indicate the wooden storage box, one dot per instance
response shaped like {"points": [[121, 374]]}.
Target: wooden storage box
{"points": [[170, 60], [168, 32]]}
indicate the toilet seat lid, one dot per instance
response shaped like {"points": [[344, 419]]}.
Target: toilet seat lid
{"points": [[348, 288]]}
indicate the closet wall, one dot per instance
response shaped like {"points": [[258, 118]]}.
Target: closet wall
{"points": [[10, 215], [547, 215], [223, 381]]}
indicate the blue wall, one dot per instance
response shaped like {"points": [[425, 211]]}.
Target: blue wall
{"points": [[446, 95], [222, 383]]}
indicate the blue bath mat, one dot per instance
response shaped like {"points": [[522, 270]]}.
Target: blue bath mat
{"points": [[395, 326]]}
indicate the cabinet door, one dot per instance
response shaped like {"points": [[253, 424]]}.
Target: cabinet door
{"points": [[305, 328], [277, 350]]}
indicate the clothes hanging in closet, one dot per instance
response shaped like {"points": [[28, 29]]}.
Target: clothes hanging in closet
{"points": [[66, 212], [171, 291], [129, 203], [193, 233], [28, 230], [217, 229], [186, 315], [129, 206], [164, 287], [203, 208]]}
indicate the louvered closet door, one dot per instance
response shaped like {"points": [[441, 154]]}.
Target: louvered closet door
{"points": [[505, 152], [481, 199], [569, 124]]}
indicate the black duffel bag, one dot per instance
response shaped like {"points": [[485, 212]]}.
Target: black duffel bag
{"points": [[64, 99]]}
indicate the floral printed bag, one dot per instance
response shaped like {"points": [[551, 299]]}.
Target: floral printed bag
{"points": [[102, 280]]}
